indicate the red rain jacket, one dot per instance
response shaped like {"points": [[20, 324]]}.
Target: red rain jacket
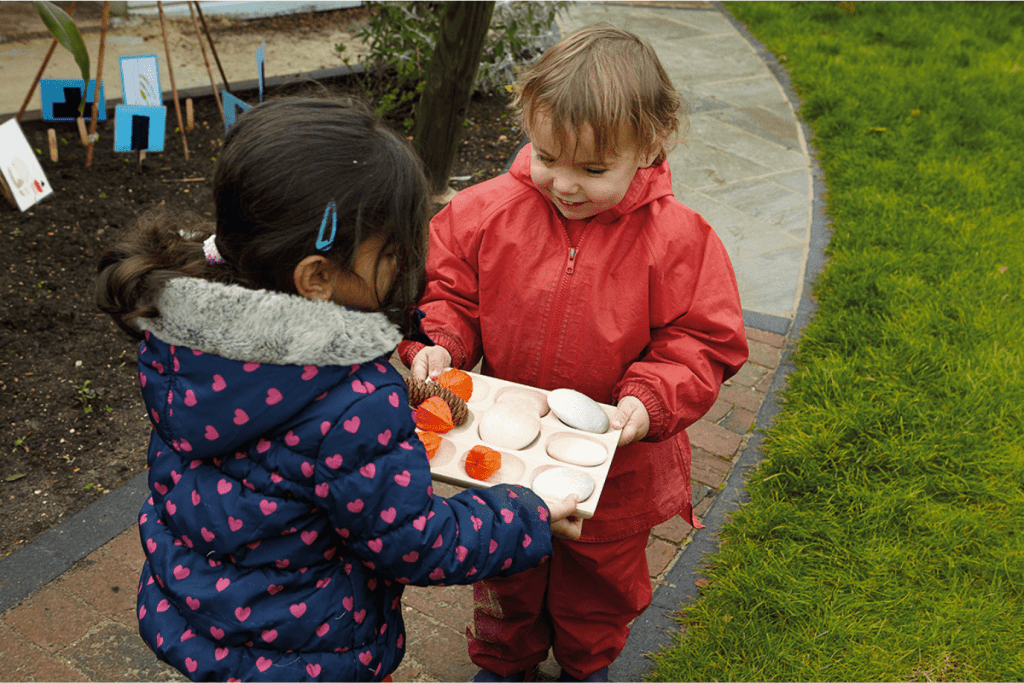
{"points": [[638, 300]]}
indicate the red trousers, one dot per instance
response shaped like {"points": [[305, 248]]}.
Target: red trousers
{"points": [[580, 603]]}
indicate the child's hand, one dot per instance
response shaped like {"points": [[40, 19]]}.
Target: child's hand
{"points": [[563, 524], [632, 418], [431, 361]]}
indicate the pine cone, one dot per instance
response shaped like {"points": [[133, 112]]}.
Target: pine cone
{"points": [[420, 391]]}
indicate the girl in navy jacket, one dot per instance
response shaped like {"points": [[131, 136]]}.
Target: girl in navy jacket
{"points": [[291, 499]]}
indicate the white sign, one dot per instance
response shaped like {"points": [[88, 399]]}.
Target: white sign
{"points": [[20, 168], [140, 81]]}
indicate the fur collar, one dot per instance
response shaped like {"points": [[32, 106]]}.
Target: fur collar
{"points": [[266, 327]]}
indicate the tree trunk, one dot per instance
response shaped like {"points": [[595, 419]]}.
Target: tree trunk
{"points": [[449, 85]]}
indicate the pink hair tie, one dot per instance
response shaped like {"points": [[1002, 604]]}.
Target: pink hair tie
{"points": [[213, 256]]}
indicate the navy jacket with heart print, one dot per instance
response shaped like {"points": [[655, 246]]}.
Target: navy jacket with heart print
{"points": [[291, 500]]}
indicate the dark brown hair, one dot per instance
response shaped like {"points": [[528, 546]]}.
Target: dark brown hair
{"points": [[282, 163], [609, 79]]}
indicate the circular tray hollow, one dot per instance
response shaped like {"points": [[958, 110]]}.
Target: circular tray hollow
{"points": [[576, 449], [481, 389], [445, 454], [465, 426], [509, 425], [511, 472], [524, 395], [545, 483]]}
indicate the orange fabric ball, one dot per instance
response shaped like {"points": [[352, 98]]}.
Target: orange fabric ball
{"points": [[458, 382], [434, 415], [482, 462], [431, 441]]}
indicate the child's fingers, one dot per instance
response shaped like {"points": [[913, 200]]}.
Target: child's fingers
{"points": [[430, 362], [632, 418], [561, 509], [569, 528]]}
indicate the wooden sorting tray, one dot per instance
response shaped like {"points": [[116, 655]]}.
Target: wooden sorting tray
{"points": [[523, 465]]}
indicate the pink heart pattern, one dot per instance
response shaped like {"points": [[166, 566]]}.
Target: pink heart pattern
{"points": [[270, 526]]}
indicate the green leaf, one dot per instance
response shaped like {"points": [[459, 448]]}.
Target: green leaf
{"points": [[64, 30], [14, 477]]}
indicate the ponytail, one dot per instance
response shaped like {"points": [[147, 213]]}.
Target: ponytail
{"points": [[159, 246]]}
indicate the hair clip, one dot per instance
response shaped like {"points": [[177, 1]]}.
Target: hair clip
{"points": [[325, 243], [213, 256]]}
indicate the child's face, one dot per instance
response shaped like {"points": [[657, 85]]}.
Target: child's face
{"points": [[581, 186]]}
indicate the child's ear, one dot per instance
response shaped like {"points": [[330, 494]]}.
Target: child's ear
{"points": [[314, 278]]}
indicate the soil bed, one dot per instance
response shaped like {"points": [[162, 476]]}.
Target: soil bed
{"points": [[73, 425]]}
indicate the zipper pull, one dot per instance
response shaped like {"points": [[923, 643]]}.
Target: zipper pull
{"points": [[572, 260]]}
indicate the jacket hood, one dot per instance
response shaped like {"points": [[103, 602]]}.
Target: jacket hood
{"points": [[649, 184], [222, 365], [261, 326]]}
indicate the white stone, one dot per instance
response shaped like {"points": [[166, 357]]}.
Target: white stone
{"points": [[578, 411], [576, 451], [557, 483], [509, 426]]}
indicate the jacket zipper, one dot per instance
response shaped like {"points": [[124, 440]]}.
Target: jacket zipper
{"points": [[557, 320]]}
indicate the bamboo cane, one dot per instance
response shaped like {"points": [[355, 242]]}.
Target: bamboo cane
{"points": [[99, 82], [46, 60], [213, 48], [174, 88], [199, 34]]}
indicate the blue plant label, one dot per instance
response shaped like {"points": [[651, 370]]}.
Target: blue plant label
{"points": [[139, 128], [259, 65], [232, 105], [61, 97]]}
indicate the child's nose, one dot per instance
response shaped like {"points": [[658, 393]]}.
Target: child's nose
{"points": [[564, 183]]}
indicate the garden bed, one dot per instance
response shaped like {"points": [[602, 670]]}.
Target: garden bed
{"points": [[73, 424]]}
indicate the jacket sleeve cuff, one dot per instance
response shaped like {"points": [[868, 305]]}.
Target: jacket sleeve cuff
{"points": [[407, 350], [655, 409], [454, 346]]}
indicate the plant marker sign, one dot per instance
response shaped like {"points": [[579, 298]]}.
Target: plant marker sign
{"points": [[139, 128], [232, 105], [61, 97], [140, 81], [259, 65], [20, 168]]}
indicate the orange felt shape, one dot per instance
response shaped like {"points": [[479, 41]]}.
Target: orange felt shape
{"points": [[431, 441], [482, 462], [434, 415], [457, 382]]}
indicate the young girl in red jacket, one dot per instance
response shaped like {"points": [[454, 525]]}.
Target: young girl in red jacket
{"points": [[291, 500], [580, 269]]}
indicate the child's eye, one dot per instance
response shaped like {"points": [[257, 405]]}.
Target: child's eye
{"points": [[595, 171]]}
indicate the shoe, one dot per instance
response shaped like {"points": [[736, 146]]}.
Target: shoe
{"points": [[599, 675], [525, 675]]}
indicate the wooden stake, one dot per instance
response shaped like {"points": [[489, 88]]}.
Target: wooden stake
{"points": [[190, 120], [174, 88], [199, 34], [142, 157], [82, 132], [7, 192], [213, 48], [99, 82], [46, 60], [51, 134]]}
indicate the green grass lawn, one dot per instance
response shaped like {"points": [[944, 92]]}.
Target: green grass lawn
{"points": [[884, 539]]}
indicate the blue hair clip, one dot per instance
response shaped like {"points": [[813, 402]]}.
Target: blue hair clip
{"points": [[325, 243]]}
